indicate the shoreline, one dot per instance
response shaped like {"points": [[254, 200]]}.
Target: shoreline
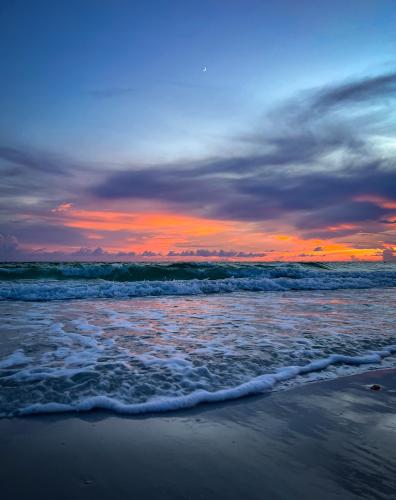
{"points": [[333, 438], [111, 406]]}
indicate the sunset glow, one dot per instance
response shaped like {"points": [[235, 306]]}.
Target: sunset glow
{"points": [[165, 233], [251, 159]]}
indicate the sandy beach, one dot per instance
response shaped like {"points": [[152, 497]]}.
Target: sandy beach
{"points": [[333, 439]]}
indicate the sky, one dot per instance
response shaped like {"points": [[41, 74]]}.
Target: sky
{"points": [[221, 129]]}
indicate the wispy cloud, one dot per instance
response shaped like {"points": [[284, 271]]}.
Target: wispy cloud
{"points": [[371, 89]]}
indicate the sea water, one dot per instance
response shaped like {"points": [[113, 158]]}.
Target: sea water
{"points": [[138, 338]]}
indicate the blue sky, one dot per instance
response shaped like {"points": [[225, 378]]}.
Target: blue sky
{"points": [[123, 79]]}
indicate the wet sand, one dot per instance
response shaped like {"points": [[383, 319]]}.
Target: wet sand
{"points": [[327, 440]]}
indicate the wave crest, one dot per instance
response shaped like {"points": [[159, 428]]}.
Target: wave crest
{"points": [[91, 289]]}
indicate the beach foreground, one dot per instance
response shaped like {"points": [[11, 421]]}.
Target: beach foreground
{"points": [[333, 439]]}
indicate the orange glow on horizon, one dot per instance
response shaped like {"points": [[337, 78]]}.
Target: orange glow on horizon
{"points": [[162, 232], [123, 221]]}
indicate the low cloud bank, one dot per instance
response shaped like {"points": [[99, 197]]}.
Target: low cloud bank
{"points": [[203, 252], [12, 251]]}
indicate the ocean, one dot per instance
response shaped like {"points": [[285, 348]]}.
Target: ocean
{"points": [[138, 338]]}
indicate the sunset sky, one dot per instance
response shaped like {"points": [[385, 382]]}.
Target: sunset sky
{"points": [[197, 129]]}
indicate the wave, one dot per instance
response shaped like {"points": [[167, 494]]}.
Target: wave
{"points": [[260, 384], [129, 271], [58, 281], [143, 271], [91, 289]]}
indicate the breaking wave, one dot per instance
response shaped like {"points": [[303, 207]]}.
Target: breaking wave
{"points": [[136, 271], [42, 282]]}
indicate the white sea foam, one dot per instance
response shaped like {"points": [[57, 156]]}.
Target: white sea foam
{"points": [[162, 353], [16, 358], [257, 385]]}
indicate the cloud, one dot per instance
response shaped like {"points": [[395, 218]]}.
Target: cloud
{"points": [[62, 207], [11, 250], [149, 253], [98, 254], [39, 233], [29, 159], [389, 255], [371, 89], [8, 246], [33, 180], [308, 168], [320, 163], [203, 252]]}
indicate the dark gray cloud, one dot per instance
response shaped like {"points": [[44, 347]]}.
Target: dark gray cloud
{"points": [[35, 178], [33, 184], [372, 89], [8, 246], [389, 255], [18, 159]]}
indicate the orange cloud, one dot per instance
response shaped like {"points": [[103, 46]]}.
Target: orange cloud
{"points": [[62, 207], [123, 221], [381, 202]]}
